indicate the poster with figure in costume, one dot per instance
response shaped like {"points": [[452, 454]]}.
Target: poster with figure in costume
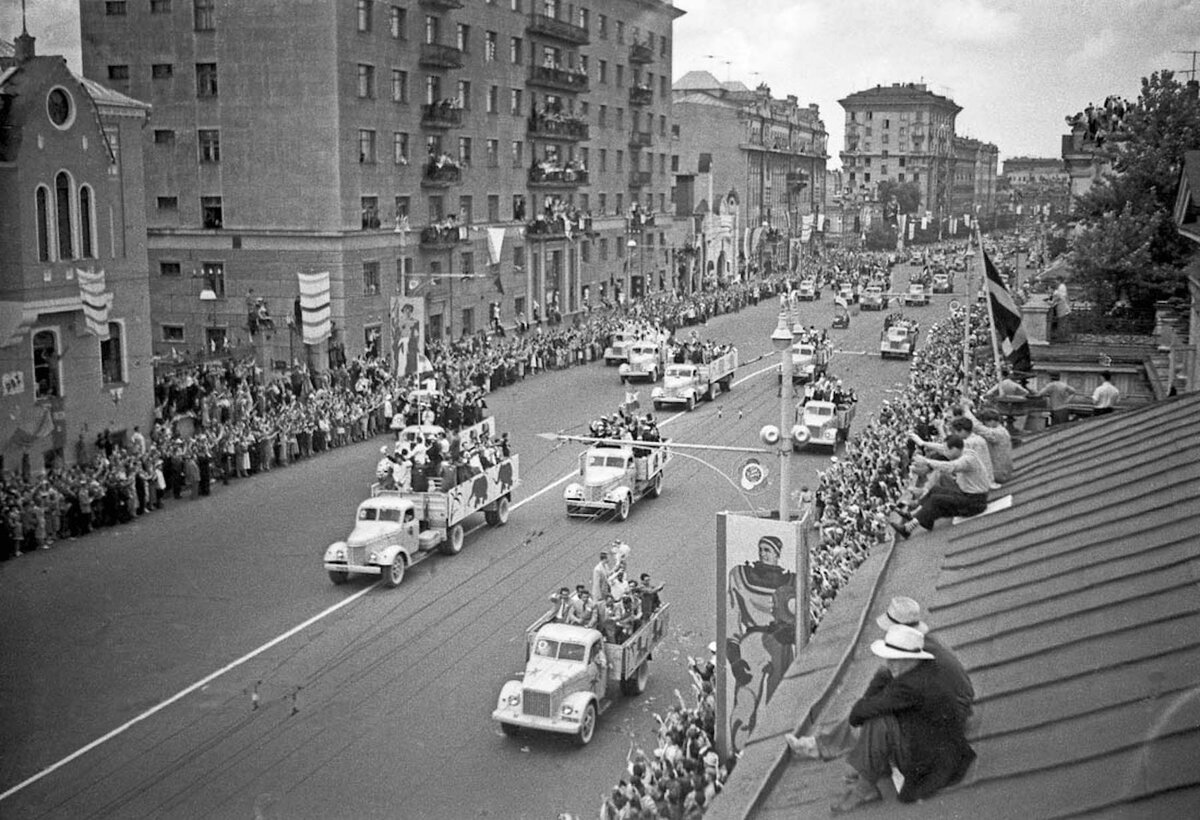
{"points": [[408, 334]]}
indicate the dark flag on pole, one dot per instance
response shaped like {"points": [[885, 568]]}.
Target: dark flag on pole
{"points": [[1006, 319]]}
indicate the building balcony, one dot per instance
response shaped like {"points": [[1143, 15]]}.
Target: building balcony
{"points": [[560, 227], [641, 96], [442, 237], [639, 179], [442, 5], [564, 128], [553, 28], [641, 139], [436, 55], [444, 114], [640, 54], [796, 180], [543, 175], [560, 79], [441, 176]]}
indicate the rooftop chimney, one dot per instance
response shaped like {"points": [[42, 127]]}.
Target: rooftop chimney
{"points": [[23, 50]]}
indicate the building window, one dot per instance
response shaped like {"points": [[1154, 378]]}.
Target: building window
{"points": [[603, 250], [515, 50], [602, 26], [519, 257], [211, 216], [172, 269], [674, 163], [515, 102], [466, 210], [86, 221], [370, 212], [620, 32], [518, 213], [173, 334], [398, 23], [399, 85], [433, 89], [604, 72], [603, 160], [366, 82], [115, 8], [620, 76], [118, 72], [371, 279], [364, 14], [162, 71], [366, 145], [464, 151], [204, 15], [432, 30], [602, 119], [163, 136], [62, 216], [206, 79], [42, 198], [168, 204], [464, 94], [493, 153], [400, 148], [602, 201], [212, 276], [47, 375], [518, 152], [489, 46], [112, 356], [467, 263], [493, 208], [620, 160], [210, 145], [493, 99], [621, 119], [462, 36]]}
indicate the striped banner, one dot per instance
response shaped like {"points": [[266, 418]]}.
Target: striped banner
{"points": [[96, 302], [315, 310]]}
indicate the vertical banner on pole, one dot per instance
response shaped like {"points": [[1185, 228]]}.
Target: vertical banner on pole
{"points": [[756, 619]]}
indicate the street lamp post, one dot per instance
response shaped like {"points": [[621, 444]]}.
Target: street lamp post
{"points": [[781, 340]]}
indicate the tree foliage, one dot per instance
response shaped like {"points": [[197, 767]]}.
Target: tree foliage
{"points": [[906, 194], [1128, 246]]}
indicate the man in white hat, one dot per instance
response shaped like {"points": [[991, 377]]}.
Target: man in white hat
{"points": [[910, 721]]}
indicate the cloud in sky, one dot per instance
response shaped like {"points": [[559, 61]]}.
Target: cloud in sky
{"points": [[1017, 67]]}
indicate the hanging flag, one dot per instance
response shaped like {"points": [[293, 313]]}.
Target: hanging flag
{"points": [[96, 302], [495, 244], [315, 307], [1006, 319]]}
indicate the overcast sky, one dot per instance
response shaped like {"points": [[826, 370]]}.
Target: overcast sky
{"points": [[1017, 67]]}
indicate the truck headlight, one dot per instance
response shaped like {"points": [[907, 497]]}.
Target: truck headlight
{"points": [[513, 700], [373, 558], [830, 433], [568, 710], [339, 554]]}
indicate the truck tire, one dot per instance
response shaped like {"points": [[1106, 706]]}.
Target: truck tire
{"points": [[339, 576], [394, 574], [711, 393], [587, 725], [727, 384], [501, 514], [656, 488], [636, 685], [691, 403], [509, 729], [623, 508], [658, 405], [454, 541]]}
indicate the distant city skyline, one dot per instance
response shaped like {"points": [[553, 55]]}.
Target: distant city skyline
{"points": [[1017, 67]]}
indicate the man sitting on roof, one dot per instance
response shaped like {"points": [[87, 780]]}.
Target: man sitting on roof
{"points": [[968, 496]]}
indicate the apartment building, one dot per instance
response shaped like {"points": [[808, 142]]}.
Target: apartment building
{"points": [[746, 160], [973, 193], [903, 132], [484, 156], [1035, 183], [75, 358]]}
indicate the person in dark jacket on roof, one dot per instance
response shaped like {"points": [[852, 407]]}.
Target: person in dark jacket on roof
{"points": [[910, 721]]}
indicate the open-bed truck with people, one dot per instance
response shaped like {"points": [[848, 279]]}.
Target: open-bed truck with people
{"points": [[687, 383], [397, 529], [570, 675], [612, 479]]}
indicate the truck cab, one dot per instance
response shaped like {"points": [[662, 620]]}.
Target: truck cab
{"points": [[809, 361], [808, 290], [916, 295], [618, 350], [384, 539], [872, 298], [644, 360], [943, 282], [898, 340], [612, 479]]}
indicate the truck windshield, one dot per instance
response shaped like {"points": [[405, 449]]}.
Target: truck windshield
{"points": [[679, 372], [606, 461], [546, 648], [368, 514], [389, 515], [572, 652]]}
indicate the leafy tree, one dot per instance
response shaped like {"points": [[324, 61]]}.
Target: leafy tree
{"points": [[1128, 246], [906, 194], [881, 236]]}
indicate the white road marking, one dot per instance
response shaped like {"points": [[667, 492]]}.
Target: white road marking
{"points": [[29, 781], [185, 692]]}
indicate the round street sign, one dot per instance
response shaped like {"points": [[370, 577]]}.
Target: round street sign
{"points": [[752, 473]]}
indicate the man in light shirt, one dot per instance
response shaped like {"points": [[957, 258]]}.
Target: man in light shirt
{"points": [[968, 496], [1104, 397]]}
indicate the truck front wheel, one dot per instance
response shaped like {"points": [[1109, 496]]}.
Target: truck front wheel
{"points": [[454, 541], [339, 576], [636, 685], [509, 729], [691, 403], [587, 725], [394, 574], [623, 508]]}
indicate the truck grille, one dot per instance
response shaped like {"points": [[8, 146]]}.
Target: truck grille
{"points": [[538, 704], [596, 493], [356, 555]]}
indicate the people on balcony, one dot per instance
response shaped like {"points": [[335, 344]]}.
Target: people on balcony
{"points": [[559, 217], [446, 230], [551, 118], [553, 169], [445, 109], [442, 166]]}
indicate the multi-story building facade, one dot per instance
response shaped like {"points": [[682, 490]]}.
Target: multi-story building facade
{"points": [[974, 190], [905, 133], [1037, 182], [403, 147], [75, 357], [741, 146]]}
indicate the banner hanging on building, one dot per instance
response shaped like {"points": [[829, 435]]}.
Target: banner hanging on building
{"points": [[96, 300], [315, 308], [408, 336], [495, 244]]}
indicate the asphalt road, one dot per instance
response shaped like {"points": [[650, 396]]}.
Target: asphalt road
{"points": [[380, 708]]}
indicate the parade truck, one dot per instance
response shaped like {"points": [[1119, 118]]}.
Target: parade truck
{"points": [[618, 350], [644, 360], [873, 298], [822, 424], [810, 360], [943, 282], [613, 478], [898, 339], [687, 383], [808, 290], [916, 295], [571, 673], [397, 529]]}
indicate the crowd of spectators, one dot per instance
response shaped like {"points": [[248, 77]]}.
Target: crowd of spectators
{"points": [[1099, 123]]}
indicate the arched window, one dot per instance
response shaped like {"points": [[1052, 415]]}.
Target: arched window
{"points": [[62, 213], [43, 223], [86, 237], [45, 364]]}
